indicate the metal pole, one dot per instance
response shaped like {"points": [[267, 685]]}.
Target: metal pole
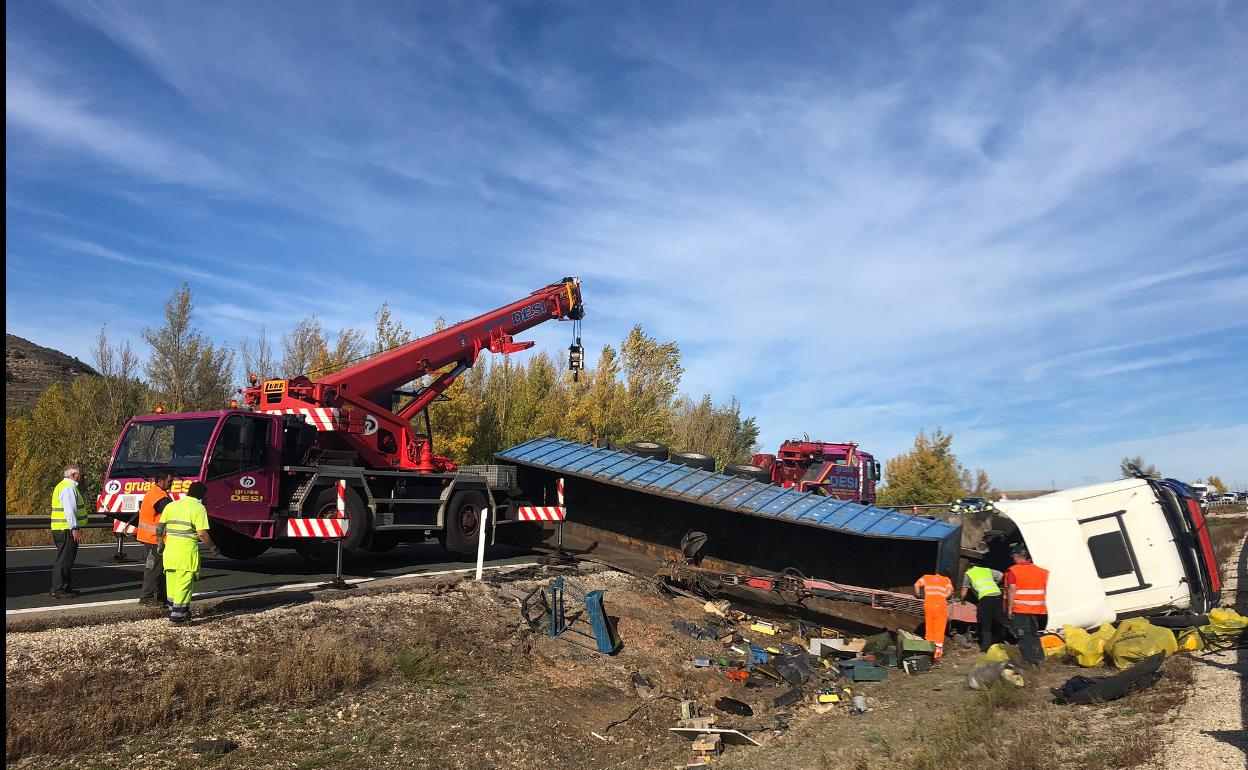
{"points": [[121, 554], [485, 519], [338, 569]]}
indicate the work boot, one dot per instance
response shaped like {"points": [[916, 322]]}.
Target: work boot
{"points": [[61, 595], [73, 592]]}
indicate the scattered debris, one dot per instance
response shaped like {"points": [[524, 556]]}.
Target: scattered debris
{"points": [[1095, 689], [985, 675], [734, 706]]}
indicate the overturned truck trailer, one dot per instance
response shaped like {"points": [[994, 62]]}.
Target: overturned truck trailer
{"points": [[632, 511]]}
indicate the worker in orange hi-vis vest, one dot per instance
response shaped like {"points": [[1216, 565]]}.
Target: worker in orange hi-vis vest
{"points": [[154, 501], [935, 590], [1025, 605]]}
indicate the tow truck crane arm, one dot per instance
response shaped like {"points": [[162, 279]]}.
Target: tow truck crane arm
{"points": [[383, 438]]}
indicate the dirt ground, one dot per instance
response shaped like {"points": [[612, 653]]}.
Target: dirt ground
{"points": [[448, 675]]}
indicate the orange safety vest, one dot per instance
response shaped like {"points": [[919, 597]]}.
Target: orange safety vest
{"points": [[1030, 584], [934, 586], [148, 517]]}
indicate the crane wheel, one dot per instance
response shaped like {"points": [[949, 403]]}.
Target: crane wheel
{"points": [[324, 505], [233, 545], [652, 449], [748, 472], [463, 522], [694, 460]]}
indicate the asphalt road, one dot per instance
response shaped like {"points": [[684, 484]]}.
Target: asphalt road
{"points": [[27, 572]]}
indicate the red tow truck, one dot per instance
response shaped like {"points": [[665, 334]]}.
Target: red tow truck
{"points": [[839, 470], [281, 452]]}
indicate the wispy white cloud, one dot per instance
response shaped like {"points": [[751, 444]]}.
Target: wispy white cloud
{"points": [[879, 223]]}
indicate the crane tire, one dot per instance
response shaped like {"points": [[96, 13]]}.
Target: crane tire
{"points": [[652, 449], [233, 545], [463, 522], [323, 504], [697, 460]]}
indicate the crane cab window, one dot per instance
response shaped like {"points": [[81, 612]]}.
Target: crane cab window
{"points": [[241, 445]]}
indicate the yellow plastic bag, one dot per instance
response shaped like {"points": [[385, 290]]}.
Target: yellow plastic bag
{"points": [[1000, 653], [1224, 623], [1191, 640], [1137, 639], [1088, 649], [1053, 646]]}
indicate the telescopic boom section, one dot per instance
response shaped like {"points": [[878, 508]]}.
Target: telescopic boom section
{"points": [[353, 406]]}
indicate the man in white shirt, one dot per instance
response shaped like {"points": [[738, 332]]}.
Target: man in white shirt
{"points": [[69, 511]]}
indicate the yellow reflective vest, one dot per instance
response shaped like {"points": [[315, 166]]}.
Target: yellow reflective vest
{"points": [[183, 519], [59, 522], [982, 582]]}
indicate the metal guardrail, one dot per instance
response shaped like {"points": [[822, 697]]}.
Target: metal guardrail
{"points": [[45, 522]]}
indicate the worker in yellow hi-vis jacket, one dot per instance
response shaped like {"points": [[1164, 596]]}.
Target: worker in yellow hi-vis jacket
{"points": [[183, 526]]}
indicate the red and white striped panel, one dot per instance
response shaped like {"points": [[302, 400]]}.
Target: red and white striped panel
{"points": [[125, 503], [321, 418], [120, 527], [540, 513], [320, 528]]}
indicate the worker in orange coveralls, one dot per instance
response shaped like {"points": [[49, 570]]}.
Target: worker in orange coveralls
{"points": [[935, 590]]}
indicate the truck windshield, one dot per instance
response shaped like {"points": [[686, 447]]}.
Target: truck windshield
{"points": [[177, 446]]}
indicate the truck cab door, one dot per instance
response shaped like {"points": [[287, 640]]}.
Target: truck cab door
{"points": [[242, 470]]}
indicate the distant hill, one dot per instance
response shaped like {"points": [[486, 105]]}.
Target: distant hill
{"points": [[29, 368]]}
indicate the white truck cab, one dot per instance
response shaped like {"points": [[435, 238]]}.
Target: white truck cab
{"points": [[1116, 550]]}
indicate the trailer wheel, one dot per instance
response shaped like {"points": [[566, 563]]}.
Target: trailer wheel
{"points": [[234, 545], [748, 472], [694, 460], [652, 449], [463, 522]]}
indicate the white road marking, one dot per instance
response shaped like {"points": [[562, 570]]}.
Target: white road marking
{"points": [[269, 589], [77, 567], [53, 548]]}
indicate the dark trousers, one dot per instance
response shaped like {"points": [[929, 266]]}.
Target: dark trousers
{"points": [[66, 552], [1027, 629], [991, 618], [154, 573]]}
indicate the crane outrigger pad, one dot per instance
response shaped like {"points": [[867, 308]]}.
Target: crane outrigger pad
{"points": [[649, 501]]}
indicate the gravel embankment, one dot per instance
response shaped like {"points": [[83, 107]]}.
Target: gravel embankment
{"points": [[1209, 729]]}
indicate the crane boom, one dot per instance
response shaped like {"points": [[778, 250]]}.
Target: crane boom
{"points": [[353, 407]]}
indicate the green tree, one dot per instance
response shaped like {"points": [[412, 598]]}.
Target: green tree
{"points": [[258, 358], [349, 346], [301, 346], [185, 369], [928, 473], [388, 333], [1148, 469], [1217, 484], [719, 431], [652, 374]]}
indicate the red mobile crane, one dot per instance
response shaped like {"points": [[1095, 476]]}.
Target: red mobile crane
{"points": [[282, 453]]}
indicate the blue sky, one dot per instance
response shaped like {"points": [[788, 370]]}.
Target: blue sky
{"points": [[1026, 223]]}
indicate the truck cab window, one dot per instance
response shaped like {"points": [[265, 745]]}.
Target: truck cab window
{"points": [[241, 445]]}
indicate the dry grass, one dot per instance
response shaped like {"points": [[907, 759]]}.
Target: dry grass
{"points": [[47, 718], [1227, 535]]}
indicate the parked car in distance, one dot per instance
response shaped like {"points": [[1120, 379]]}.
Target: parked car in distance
{"points": [[971, 505], [1229, 497]]}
